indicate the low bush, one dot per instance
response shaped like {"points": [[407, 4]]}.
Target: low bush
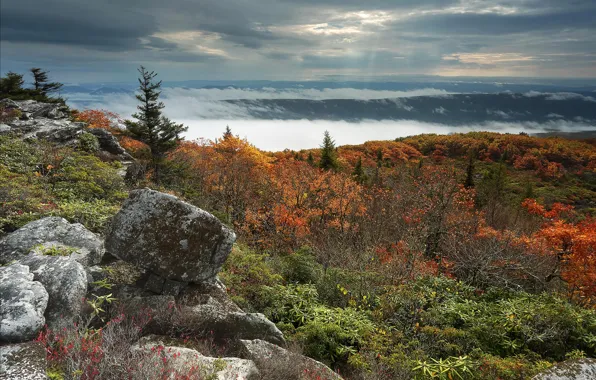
{"points": [[94, 214], [246, 274], [301, 267], [88, 142]]}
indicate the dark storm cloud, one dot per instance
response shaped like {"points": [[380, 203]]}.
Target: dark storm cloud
{"points": [[491, 24], [260, 37], [375, 4], [86, 24]]}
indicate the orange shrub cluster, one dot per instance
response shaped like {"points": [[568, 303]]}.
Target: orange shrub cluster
{"points": [[550, 157], [99, 119]]}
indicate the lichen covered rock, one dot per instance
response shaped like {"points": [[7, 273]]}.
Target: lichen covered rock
{"points": [[224, 323], [65, 280], [272, 360], [579, 369], [23, 303], [185, 362], [169, 237], [24, 361], [52, 231]]}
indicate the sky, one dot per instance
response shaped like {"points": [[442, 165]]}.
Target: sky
{"points": [[106, 40]]}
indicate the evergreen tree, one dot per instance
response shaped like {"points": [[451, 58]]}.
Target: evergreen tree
{"points": [[528, 191], [11, 84], [469, 182], [379, 157], [328, 154], [358, 172], [41, 84], [157, 131], [228, 133], [491, 191], [310, 159]]}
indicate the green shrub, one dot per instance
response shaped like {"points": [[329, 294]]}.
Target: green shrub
{"points": [[328, 334], [245, 274], [84, 177], [94, 214], [510, 368], [332, 335], [292, 304], [88, 142], [22, 200], [341, 288], [460, 367], [301, 267], [18, 156]]}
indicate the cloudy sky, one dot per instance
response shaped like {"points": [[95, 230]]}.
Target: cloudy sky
{"points": [[105, 40]]}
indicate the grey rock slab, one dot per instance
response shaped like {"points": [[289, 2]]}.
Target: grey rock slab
{"points": [[169, 237], [272, 359], [579, 369], [24, 361], [186, 361], [213, 317], [23, 302], [54, 230], [109, 143], [65, 280]]}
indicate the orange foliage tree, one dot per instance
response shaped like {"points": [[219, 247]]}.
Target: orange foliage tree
{"points": [[573, 244]]}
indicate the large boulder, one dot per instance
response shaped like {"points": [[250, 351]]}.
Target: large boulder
{"points": [[275, 362], [224, 323], [23, 303], [24, 361], [53, 231], [579, 369], [182, 362], [65, 280], [169, 237]]}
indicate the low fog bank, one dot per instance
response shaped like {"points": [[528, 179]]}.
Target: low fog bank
{"points": [[276, 135], [208, 103], [207, 116]]}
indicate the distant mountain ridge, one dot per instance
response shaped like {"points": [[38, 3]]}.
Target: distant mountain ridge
{"points": [[456, 109], [450, 86]]}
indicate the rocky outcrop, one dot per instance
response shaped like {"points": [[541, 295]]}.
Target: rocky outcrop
{"points": [[33, 109], [579, 369], [52, 231], [48, 121], [271, 360], [24, 361], [184, 362], [23, 303], [169, 237], [65, 281], [176, 250], [213, 317], [210, 318], [52, 122], [108, 143]]}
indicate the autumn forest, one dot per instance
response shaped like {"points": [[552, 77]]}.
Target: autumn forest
{"points": [[432, 256]]}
